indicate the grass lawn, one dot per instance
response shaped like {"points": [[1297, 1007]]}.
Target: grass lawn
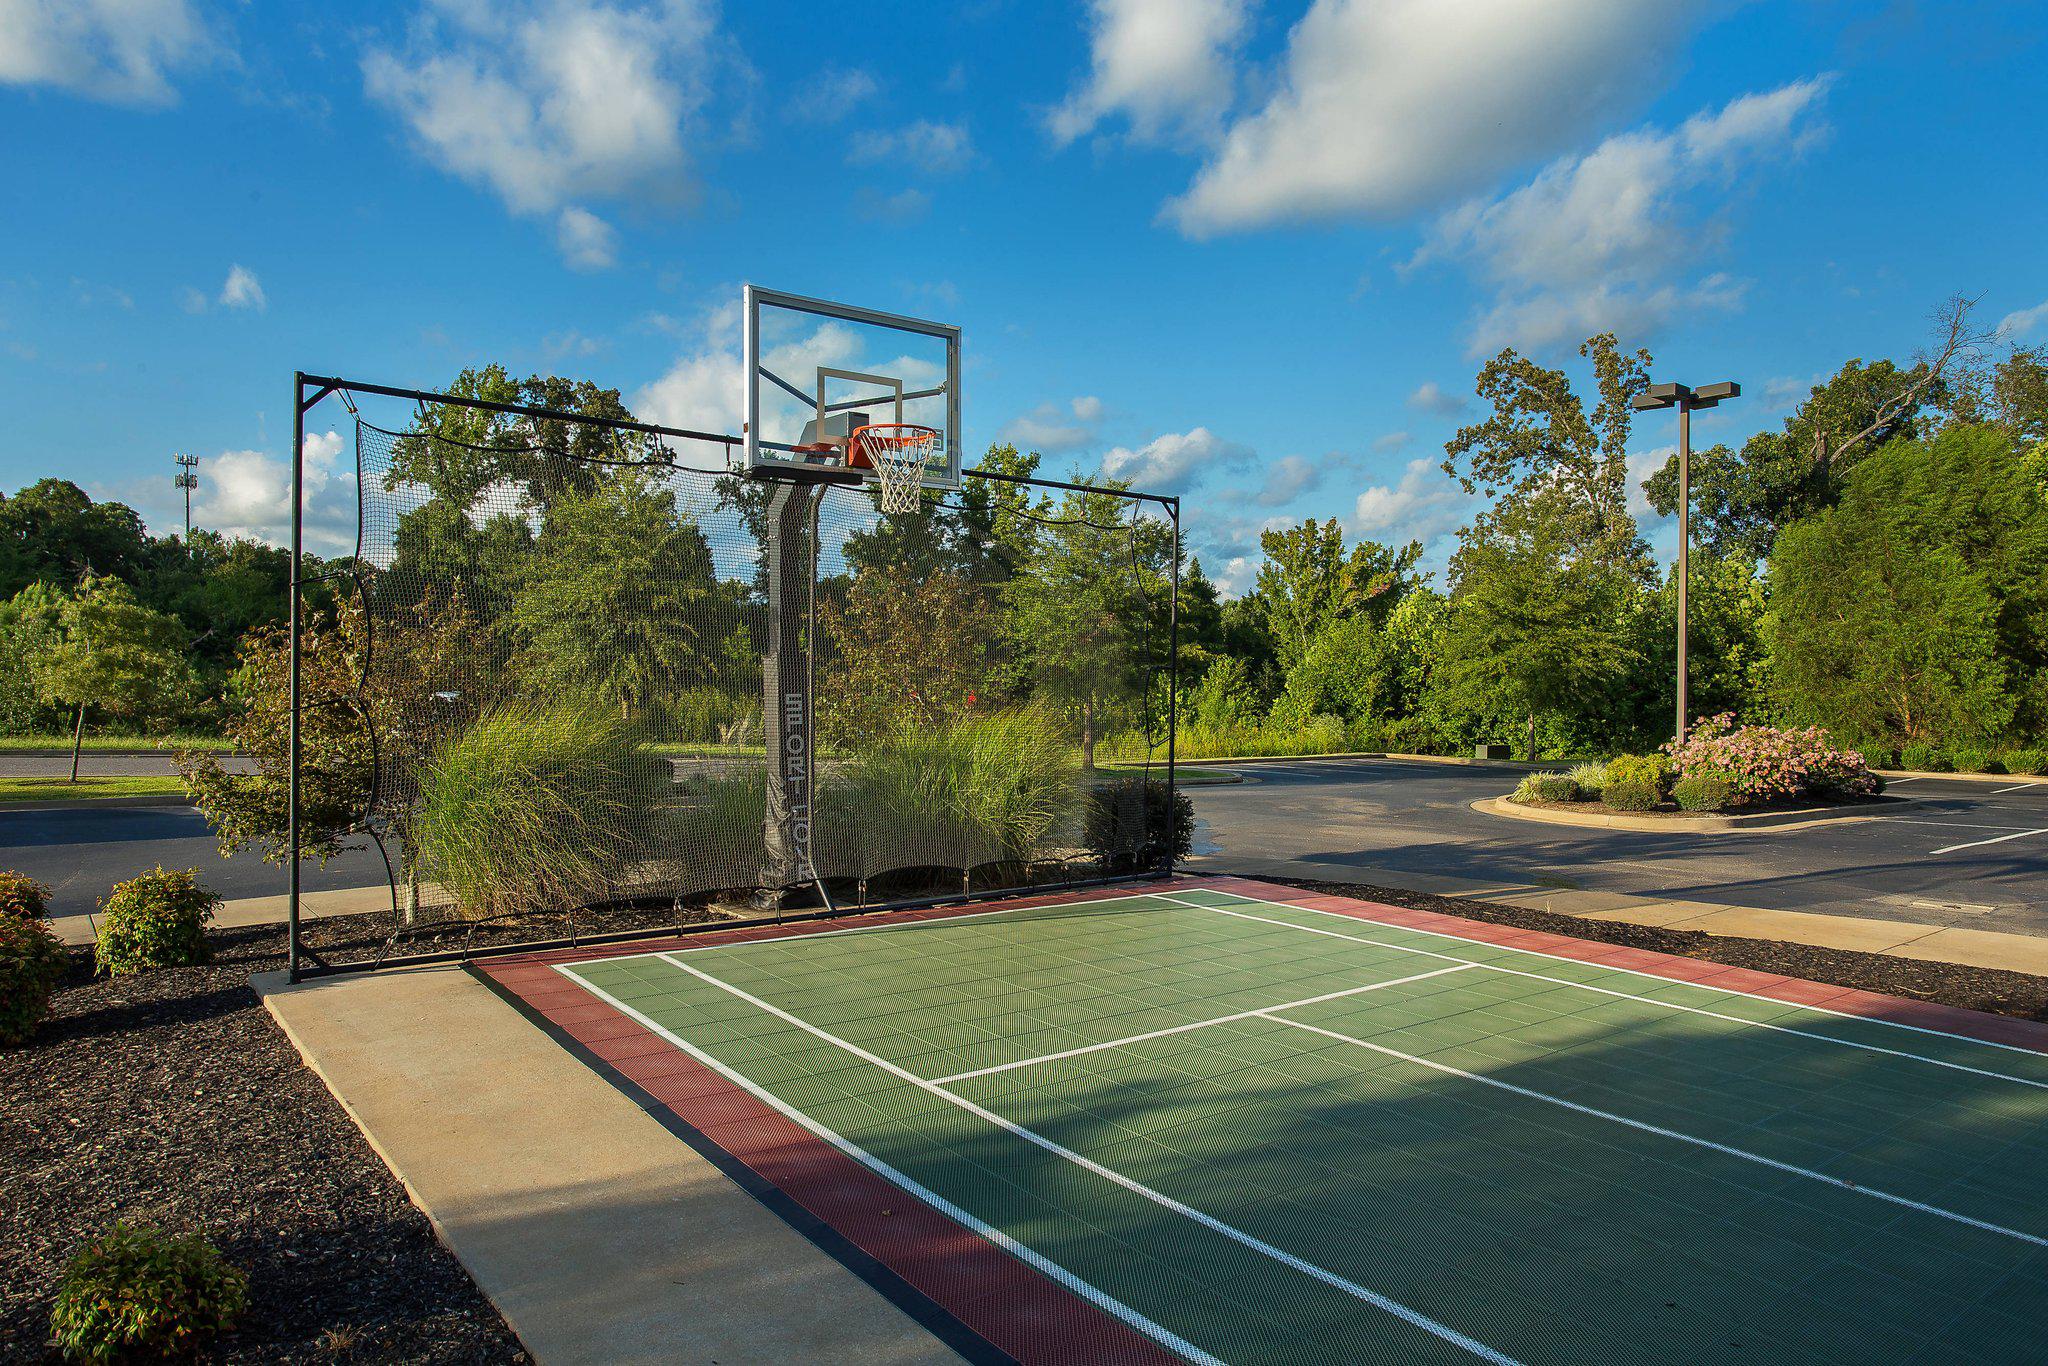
{"points": [[102, 744], [43, 789]]}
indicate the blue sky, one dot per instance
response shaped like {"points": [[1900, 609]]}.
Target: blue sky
{"points": [[1251, 253]]}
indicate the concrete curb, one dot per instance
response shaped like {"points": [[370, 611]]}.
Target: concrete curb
{"points": [[95, 803], [1762, 822], [1367, 754]]}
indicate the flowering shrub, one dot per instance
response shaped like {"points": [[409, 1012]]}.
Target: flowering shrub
{"points": [[1767, 763]]}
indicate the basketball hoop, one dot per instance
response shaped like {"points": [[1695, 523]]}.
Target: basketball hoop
{"points": [[898, 453]]}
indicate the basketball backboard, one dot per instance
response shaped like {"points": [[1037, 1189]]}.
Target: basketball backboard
{"points": [[815, 371]]}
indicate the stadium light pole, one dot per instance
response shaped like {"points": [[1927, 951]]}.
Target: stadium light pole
{"points": [[1685, 400]]}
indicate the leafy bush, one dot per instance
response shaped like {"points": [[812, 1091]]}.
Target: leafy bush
{"points": [[968, 791], [157, 920], [1976, 761], [1704, 789], [1770, 763], [1128, 825], [23, 897], [31, 965], [1924, 759], [1324, 733], [538, 806], [1651, 771], [1546, 787], [138, 1291], [1635, 793], [2026, 761], [1589, 779]]}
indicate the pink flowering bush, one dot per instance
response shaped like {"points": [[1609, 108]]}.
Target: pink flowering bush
{"points": [[1767, 763]]}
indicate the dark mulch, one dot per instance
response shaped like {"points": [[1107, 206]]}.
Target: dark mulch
{"points": [[170, 1096], [1672, 809], [1949, 984]]}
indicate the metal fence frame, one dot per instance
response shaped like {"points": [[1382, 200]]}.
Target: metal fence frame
{"points": [[301, 964]]}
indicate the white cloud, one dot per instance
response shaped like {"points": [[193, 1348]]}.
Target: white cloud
{"points": [[1054, 430], [559, 345], [1385, 106], [1175, 460], [1593, 241], [1641, 465], [906, 205], [587, 242], [1165, 65], [829, 96], [2022, 323], [1287, 479], [1392, 441], [1426, 504], [242, 290], [1431, 397], [249, 493], [191, 300], [923, 147], [1089, 408], [552, 102], [120, 50], [1234, 576]]}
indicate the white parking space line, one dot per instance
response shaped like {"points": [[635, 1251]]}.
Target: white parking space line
{"points": [[2016, 787], [1974, 844]]}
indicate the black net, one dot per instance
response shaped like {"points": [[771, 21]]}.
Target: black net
{"points": [[595, 678]]}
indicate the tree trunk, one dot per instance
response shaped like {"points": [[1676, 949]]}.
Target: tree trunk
{"points": [[412, 887], [77, 740], [1531, 755], [1088, 738]]}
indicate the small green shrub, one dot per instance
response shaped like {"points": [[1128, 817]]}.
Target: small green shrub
{"points": [[1546, 787], [1924, 759], [2026, 761], [138, 1291], [1704, 789], [23, 897], [1324, 734], [1590, 779], [1631, 794], [1974, 761], [1652, 771], [1128, 825], [31, 965], [157, 920], [538, 806]]}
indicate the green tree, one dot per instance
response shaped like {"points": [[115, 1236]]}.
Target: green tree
{"points": [[29, 634], [1916, 609], [1309, 581], [620, 595], [1540, 443], [907, 648], [113, 654], [1538, 625], [53, 532]]}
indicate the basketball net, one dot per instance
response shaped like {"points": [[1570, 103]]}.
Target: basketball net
{"points": [[898, 453]]}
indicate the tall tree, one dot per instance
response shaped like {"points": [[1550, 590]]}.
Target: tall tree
{"points": [[53, 532], [1309, 581]]}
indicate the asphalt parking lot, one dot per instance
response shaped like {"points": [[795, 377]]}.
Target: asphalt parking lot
{"points": [[1947, 852]]}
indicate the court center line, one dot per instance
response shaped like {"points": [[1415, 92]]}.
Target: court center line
{"points": [[1101, 1299], [1654, 1001], [1414, 1317], [1976, 844], [1197, 1024], [1730, 1150]]}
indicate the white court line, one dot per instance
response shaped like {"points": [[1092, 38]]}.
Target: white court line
{"points": [[1401, 1311], [1662, 1132], [1101, 1299], [1978, 844], [1647, 1000], [1197, 1024]]}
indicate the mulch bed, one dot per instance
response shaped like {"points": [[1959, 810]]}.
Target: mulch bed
{"points": [[1671, 809], [171, 1096], [1949, 984]]}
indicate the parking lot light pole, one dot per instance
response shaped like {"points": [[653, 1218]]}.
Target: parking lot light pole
{"points": [[1685, 400]]}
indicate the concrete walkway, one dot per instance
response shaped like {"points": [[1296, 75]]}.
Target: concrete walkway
{"points": [[599, 1235], [1898, 938], [254, 910]]}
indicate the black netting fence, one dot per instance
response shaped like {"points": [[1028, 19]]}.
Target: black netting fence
{"points": [[596, 681]]}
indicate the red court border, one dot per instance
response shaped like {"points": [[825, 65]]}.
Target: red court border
{"points": [[1022, 1314]]}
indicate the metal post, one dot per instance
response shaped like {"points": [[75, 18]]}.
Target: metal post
{"points": [[1172, 687], [292, 736], [1684, 545]]}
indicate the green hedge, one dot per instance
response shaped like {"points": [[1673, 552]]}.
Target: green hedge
{"points": [[1704, 789], [157, 920]]}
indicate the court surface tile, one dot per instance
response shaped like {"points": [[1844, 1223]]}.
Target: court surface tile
{"points": [[1216, 1120]]}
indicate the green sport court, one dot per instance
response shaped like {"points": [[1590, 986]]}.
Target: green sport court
{"points": [[1223, 1121]]}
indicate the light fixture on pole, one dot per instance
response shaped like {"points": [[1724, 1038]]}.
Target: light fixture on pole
{"points": [[185, 479], [1685, 400]]}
